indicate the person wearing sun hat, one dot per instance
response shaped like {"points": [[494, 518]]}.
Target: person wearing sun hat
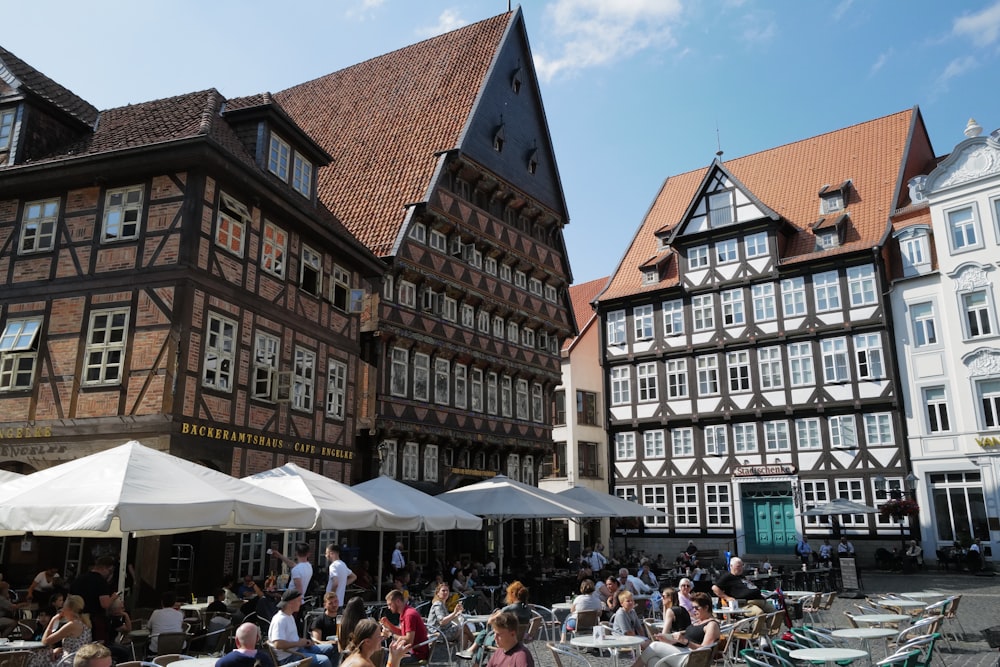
{"points": [[283, 634]]}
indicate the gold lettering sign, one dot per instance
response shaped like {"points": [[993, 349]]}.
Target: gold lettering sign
{"points": [[264, 441], [473, 473], [25, 432], [988, 441]]}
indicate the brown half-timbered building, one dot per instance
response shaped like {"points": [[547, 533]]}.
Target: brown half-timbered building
{"points": [[169, 275]]}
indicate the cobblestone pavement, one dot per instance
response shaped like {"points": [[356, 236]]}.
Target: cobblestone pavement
{"points": [[979, 609]]}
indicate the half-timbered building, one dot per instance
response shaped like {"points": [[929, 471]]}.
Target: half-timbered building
{"points": [[748, 363], [170, 275], [445, 169], [945, 295]]}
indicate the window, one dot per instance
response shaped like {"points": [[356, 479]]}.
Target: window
{"points": [[430, 463], [491, 394], [831, 202], [708, 375], [429, 299], [490, 265], [336, 389], [438, 241], [677, 379], [468, 315], [278, 157], [398, 374], [624, 446], [738, 364], [520, 279], [106, 346], [732, 307], [528, 338], [793, 296], [763, 302], [220, 353], [745, 438], [389, 288], [266, 349], [852, 490], [122, 208], [535, 286], [551, 294], [621, 392], [407, 294], [959, 506], [38, 226], [650, 277], [652, 442], [498, 327], [411, 461], [814, 493], [642, 317], [989, 398], [715, 440], [800, 364], [826, 288], [340, 287], [720, 209], [682, 441], [418, 232], [776, 436], [421, 376], [616, 327], [303, 379], [718, 505], [937, 410], [826, 239], [513, 332], [387, 457], [698, 257], [842, 432], [505, 272], [311, 271], [756, 244], [978, 309], [834, 352], [461, 386], [506, 397], [807, 433], [559, 408], [586, 408], [272, 250], [589, 465], [868, 349], [6, 128], [878, 430], [686, 505], [915, 254], [521, 399], [673, 317], [861, 285], [231, 224], [477, 390], [963, 228], [18, 350], [537, 405], [646, 379], [726, 252], [922, 321], [484, 321], [442, 381], [528, 470], [769, 362], [654, 496], [302, 172], [703, 312]]}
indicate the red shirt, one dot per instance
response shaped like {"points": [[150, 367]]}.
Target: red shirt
{"points": [[410, 621]]}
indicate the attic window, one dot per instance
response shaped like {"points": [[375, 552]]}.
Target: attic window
{"points": [[829, 232], [498, 139], [515, 81], [533, 162], [6, 128], [649, 276], [826, 239], [720, 209], [833, 199]]}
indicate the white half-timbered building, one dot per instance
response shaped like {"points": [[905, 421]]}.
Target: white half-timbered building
{"points": [[748, 366]]}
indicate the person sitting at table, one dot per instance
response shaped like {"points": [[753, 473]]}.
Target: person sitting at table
{"points": [[246, 654], [825, 552], [632, 583], [517, 603], [449, 623], [684, 590], [914, 557], [351, 613], [283, 634], [611, 587], [510, 651], [69, 629], [324, 626], [703, 631], [732, 585], [411, 627], [675, 617], [249, 588], [43, 584], [844, 548], [646, 575], [92, 655], [8, 610], [587, 600], [365, 640], [765, 566], [625, 622], [119, 625], [165, 619]]}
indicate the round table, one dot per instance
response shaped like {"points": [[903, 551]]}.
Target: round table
{"points": [[879, 619], [21, 645], [562, 606], [927, 594], [864, 634], [798, 594], [200, 662], [828, 655], [901, 603], [614, 643]]}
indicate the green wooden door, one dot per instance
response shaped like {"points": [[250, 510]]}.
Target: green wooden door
{"points": [[770, 525]]}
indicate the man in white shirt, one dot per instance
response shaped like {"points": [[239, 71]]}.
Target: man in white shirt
{"points": [[597, 562], [340, 574], [300, 570], [165, 619], [283, 634], [845, 548], [398, 563]]}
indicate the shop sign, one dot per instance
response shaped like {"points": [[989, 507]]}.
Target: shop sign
{"points": [[473, 473], [988, 441], [264, 441], [764, 470], [25, 432]]}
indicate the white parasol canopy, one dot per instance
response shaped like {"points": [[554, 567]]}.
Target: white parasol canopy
{"points": [[607, 504], [8, 476], [839, 506]]}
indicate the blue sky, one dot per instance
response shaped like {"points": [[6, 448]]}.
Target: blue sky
{"points": [[634, 90]]}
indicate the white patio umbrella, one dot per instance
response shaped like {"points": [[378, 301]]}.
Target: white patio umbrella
{"points": [[607, 504], [8, 476], [839, 506], [425, 512], [135, 489], [502, 499]]}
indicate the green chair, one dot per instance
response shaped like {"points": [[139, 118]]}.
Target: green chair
{"points": [[908, 659], [759, 658], [925, 646]]}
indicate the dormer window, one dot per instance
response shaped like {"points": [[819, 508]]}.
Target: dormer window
{"points": [[914, 249], [720, 209], [833, 198], [649, 276], [282, 159], [498, 139], [533, 162], [826, 239], [829, 232], [6, 128], [302, 171], [279, 157], [515, 81]]}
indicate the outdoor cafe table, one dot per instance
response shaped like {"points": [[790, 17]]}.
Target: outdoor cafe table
{"points": [[879, 619], [830, 656], [562, 610], [198, 608], [200, 662], [901, 603], [927, 594], [21, 645], [614, 643], [864, 634]]}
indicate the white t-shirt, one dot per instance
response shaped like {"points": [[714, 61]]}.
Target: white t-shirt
{"points": [[165, 619], [339, 572], [282, 627], [43, 584], [303, 571]]}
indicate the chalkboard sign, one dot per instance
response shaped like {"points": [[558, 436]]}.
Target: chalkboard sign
{"points": [[849, 573]]}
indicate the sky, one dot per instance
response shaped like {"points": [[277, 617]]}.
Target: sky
{"points": [[634, 90]]}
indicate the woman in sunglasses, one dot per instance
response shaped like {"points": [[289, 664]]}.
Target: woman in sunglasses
{"points": [[703, 631], [684, 590]]}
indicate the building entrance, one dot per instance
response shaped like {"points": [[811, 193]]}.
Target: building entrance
{"points": [[768, 517]]}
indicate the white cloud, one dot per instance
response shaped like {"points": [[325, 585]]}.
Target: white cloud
{"points": [[841, 9], [982, 27], [364, 9], [880, 62], [448, 20], [956, 67], [758, 28], [598, 32]]}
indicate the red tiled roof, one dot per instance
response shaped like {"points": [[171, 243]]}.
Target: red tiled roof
{"points": [[580, 297], [384, 119], [787, 179], [42, 86]]}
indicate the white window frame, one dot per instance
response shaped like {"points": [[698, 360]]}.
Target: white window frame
{"points": [[399, 371], [853, 490], [438, 240], [279, 157], [522, 405], [793, 296], [528, 338], [937, 415], [449, 308], [698, 257], [39, 221], [673, 317], [686, 506], [708, 374], [642, 320], [616, 327], [537, 403], [126, 225], [988, 397], [762, 295], [654, 496], [520, 279], [6, 128], [738, 371], [807, 433], [770, 369], [653, 446], [506, 396], [718, 505], [535, 286], [923, 323], [843, 431], [407, 294], [621, 385], [411, 462], [814, 492], [703, 312], [468, 315], [716, 440], [231, 223], [19, 353], [826, 291], [677, 378], [476, 386], [418, 232], [551, 293], [966, 233], [490, 265], [745, 438], [625, 446], [682, 442], [274, 250], [646, 375], [776, 437], [461, 386], [756, 245], [421, 376], [978, 314], [266, 353], [310, 265], [720, 209], [499, 330], [483, 321], [107, 338], [513, 333], [431, 463], [861, 285], [800, 364], [733, 313], [868, 355], [219, 360], [336, 389], [302, 174], [836, 367], [303, 379], [727, 252], [442, 381], [879, 429], [915, 253], [505, 272], [492, 395]]}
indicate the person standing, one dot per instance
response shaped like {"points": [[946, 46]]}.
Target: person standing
{"points": [[340, 575], [300, 570], [804, 550], [397, 563], [597, 562], [95, 589]]}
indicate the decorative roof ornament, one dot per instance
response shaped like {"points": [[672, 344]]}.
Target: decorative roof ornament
{"points": [[973, 129]]}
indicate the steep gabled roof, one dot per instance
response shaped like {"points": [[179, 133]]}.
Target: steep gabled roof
{"points": [[384, 121], [581, 297], [19, 75], [787, 179]]}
